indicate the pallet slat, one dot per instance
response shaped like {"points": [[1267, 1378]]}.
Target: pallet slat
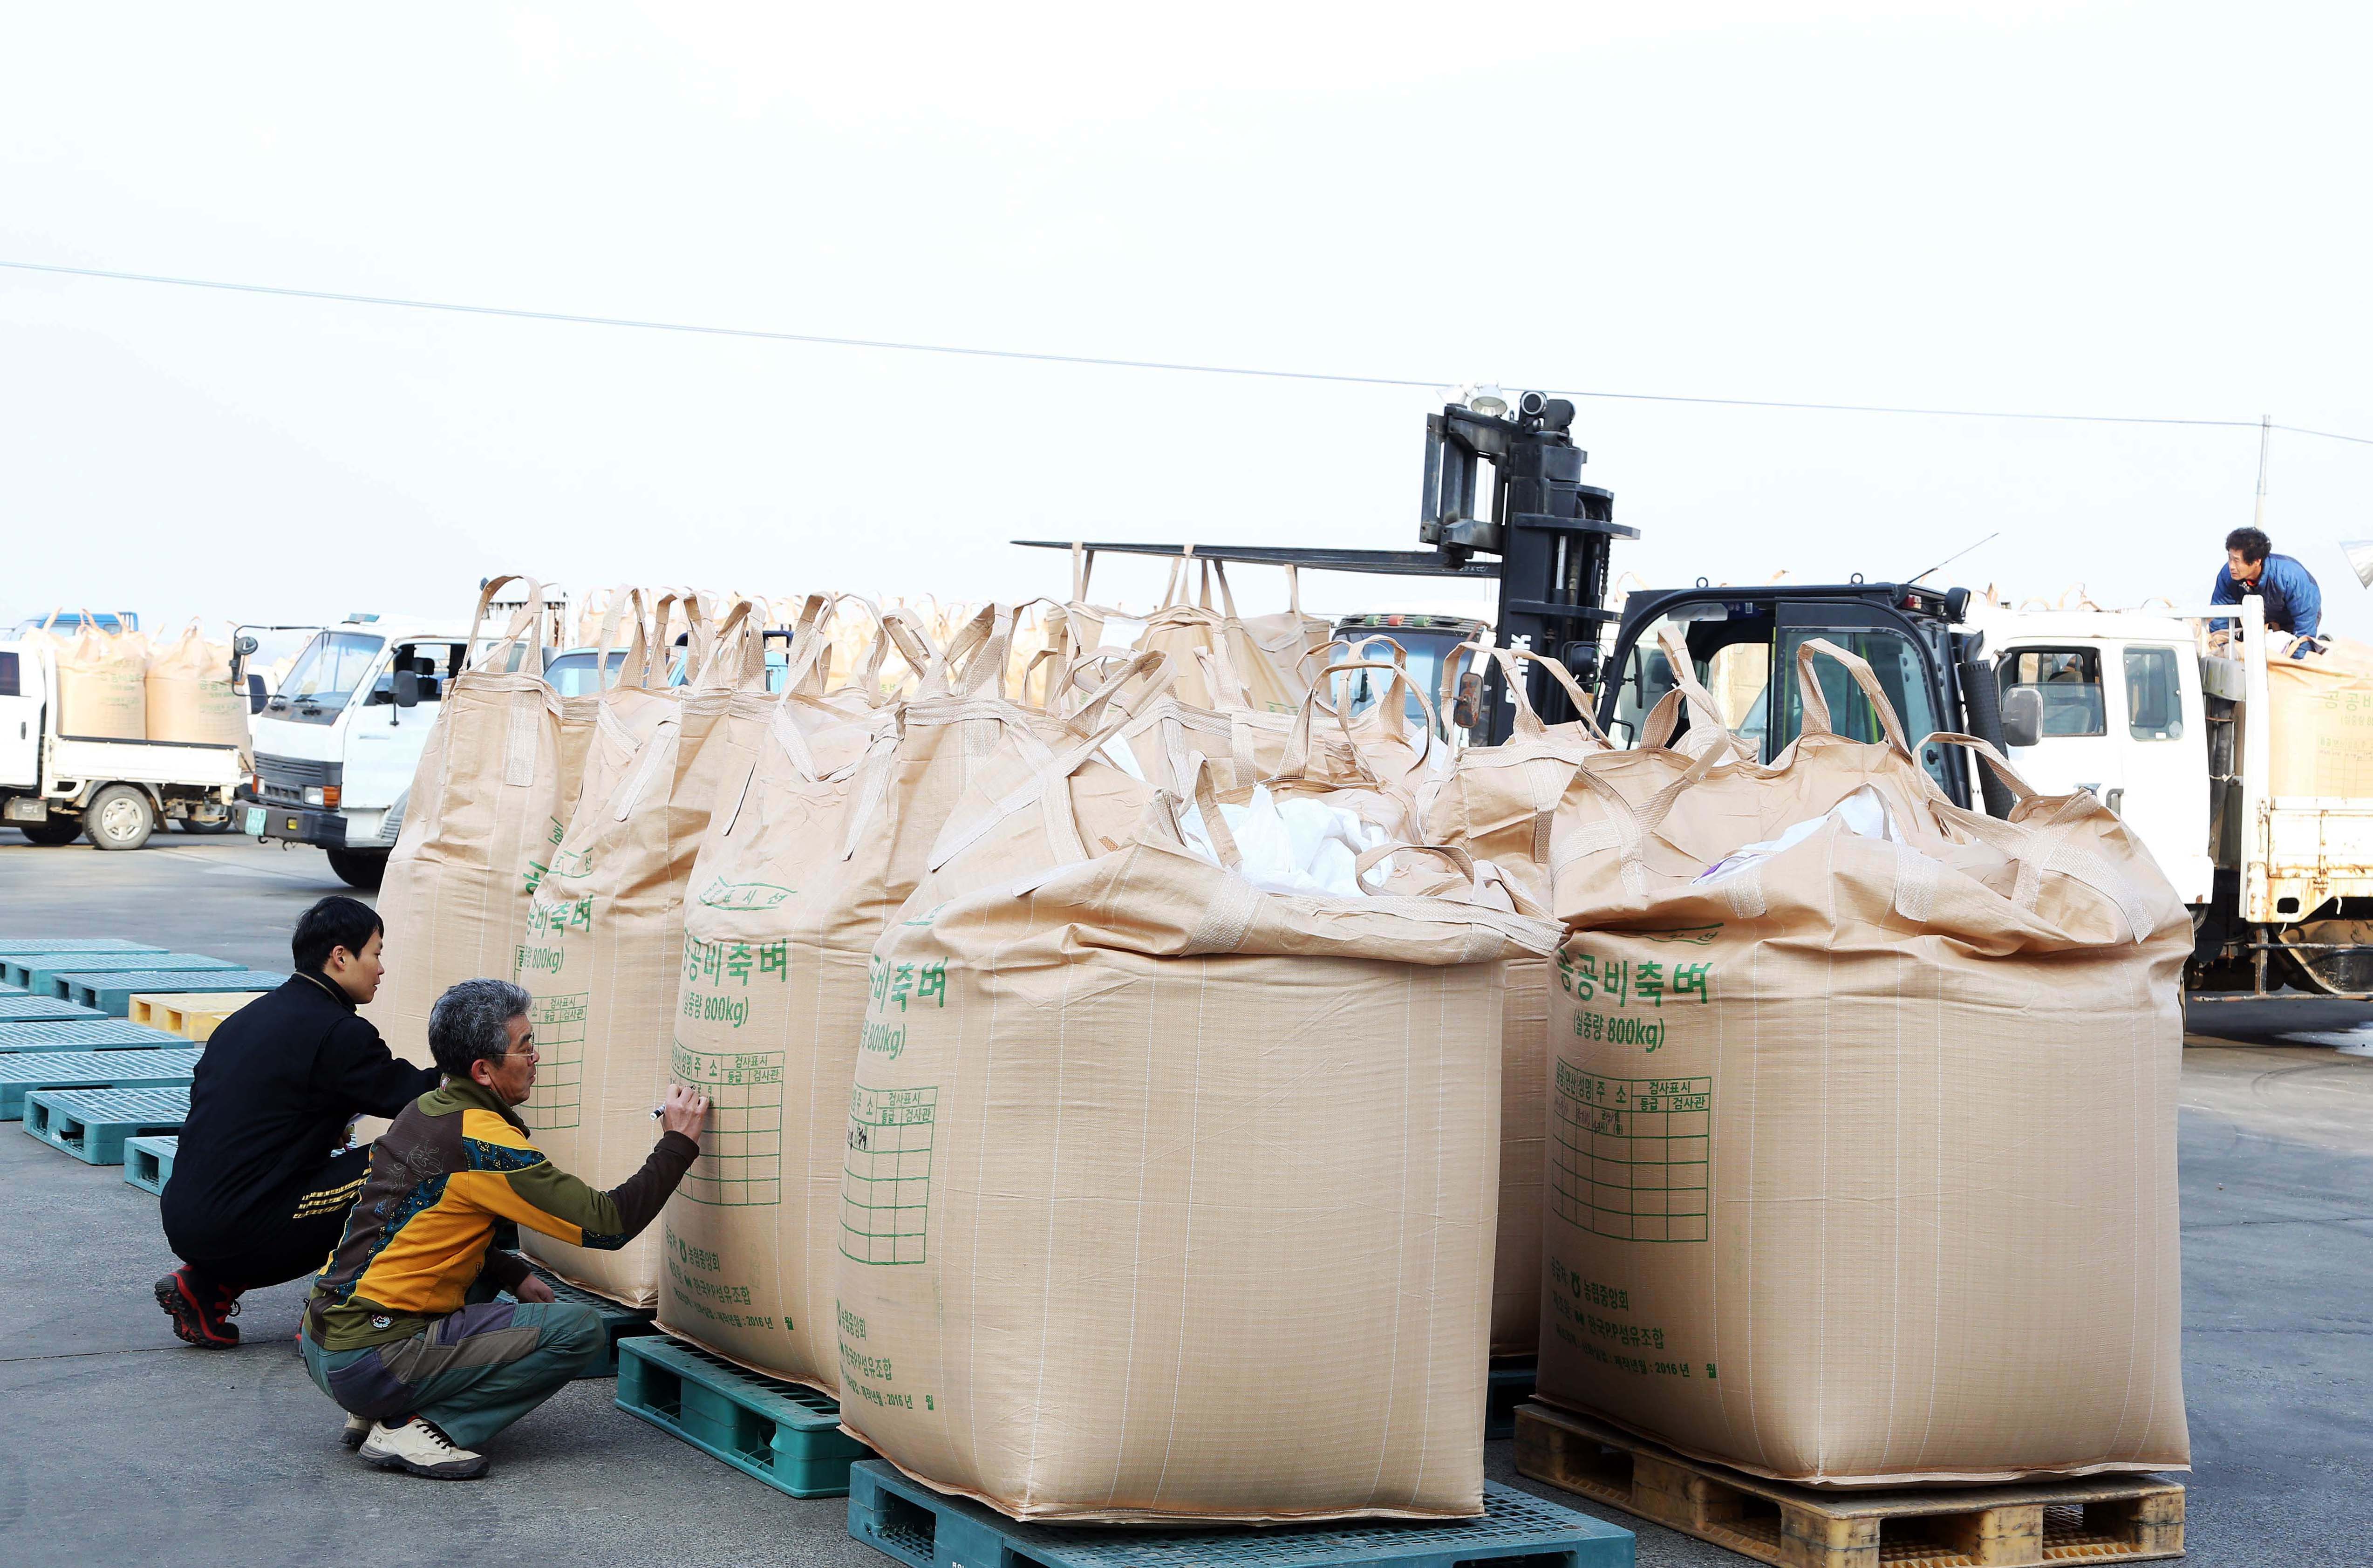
{"points": [[111, 993], [2119, 1519], [784, 1434], [148, 1162], [38, 973], [906, 1520], [24, 1072], [41, 1009], [14, 946], [94, 1124], [89, 1033]]}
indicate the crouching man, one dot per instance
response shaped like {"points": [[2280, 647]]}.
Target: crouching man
{"points": [[425, 1378]]}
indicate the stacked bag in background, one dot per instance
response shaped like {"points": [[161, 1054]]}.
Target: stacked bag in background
{"points": [[102, 680], [1498, 803], [480, 824], [2321, 732], [605, 924], [1863, 1159], [187, 696]]}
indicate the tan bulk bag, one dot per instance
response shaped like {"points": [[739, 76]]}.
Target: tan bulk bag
{"points": [[2322, 727], [796, 880], [1213, 657], [605, 929], [1863, 1135], [102, 677], [1498, 803], [188, 694], [477, 832], [580, 715], [1169, 1199]]}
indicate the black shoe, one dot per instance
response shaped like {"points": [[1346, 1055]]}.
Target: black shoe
{"points": [[200, 1317]]}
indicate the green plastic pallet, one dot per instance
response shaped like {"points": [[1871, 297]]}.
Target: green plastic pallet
{"points": [[94, 1124], [112, 994], [18, 962], [26, 1071], [12, 945], [1511, 1385], [617, 1322], [148, 1162], [46, 975], [43, 1010], [906, 1520], [788, 1436], [94, 1034]]}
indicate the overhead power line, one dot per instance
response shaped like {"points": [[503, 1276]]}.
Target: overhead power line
{"points": [[1114, 362]]}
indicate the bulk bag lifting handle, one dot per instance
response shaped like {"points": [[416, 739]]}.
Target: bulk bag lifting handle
{"points": [[976, 657], [1046, 785], [2039, 847], [521, 621], [1657, 732], [1816, 702]]}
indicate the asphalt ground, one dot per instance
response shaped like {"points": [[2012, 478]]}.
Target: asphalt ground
{"points": [[120, 1445]]}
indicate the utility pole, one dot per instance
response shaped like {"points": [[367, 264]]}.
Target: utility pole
{"points": [[2265, 439]]}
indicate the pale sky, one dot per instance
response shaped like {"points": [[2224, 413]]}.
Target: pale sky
{"points": [[2135, 209]]}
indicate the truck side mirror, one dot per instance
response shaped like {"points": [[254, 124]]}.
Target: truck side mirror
{"points": [[256, 695], [405, 691], [2022, 716]]}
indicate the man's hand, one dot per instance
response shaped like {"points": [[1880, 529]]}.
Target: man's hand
{"points": [[684, 1111], [534, 1289]]}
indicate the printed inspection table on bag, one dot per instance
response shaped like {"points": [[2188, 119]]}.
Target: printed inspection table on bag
{"points": [[1629, 1156]]}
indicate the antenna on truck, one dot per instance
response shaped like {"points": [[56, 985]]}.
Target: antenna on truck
{"points": [[1955, 556]]}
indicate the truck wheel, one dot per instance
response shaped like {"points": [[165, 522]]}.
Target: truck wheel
{"points": [[50, 835], [119, 817], [359, 867]]}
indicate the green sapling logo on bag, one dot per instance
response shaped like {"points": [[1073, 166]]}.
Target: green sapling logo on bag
{"points": [[723, 894]]}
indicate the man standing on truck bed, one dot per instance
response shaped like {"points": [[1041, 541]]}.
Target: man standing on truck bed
{"points": [[259, 1195], [2294, 603]]}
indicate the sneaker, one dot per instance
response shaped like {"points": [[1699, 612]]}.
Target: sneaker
{"points": [[419, 1447], [357, 1428], [199, 1317]]}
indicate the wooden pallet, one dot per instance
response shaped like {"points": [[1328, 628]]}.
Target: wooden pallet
{"points": [[191, 1015], [2113, 1519]]}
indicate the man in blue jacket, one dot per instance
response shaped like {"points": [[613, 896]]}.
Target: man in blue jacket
{"points": [[260, 1188], [2294, 603]]}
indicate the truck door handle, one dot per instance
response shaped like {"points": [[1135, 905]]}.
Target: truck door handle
{"points": [[2116, 803]]}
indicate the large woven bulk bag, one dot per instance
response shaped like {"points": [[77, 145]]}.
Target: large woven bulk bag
{"points": [[1863, 1149], [795, 882], [1214, 659], [188, 694], [1498, 803], [477, 833], [1169, 1199], [580, 715], [102, 675], [605, 929], [2321, 734]]}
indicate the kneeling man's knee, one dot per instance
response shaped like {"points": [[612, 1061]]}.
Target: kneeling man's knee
{"points": [[572, 1327]]}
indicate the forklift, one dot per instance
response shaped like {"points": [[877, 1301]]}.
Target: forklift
{"points": [[1546, 538]]}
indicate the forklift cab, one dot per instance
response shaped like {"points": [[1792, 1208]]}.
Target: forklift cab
{"points": [[1743, 643]]}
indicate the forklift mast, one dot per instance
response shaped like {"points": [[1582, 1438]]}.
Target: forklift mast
{"points": [[1545, 539]]}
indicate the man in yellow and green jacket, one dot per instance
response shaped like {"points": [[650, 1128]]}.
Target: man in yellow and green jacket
{"points": [[424, 1373]]}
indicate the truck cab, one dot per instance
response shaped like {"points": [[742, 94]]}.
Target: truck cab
{"points": [[337, 744]]}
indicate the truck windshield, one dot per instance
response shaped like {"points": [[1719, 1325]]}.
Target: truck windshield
{"points": [[325, 675]]}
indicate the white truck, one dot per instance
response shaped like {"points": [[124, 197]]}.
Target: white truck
{"points": [[2135, 707], [56, 787], [2132, 705], [336, 744]]}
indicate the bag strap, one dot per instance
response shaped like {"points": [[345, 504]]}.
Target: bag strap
{"points": [[1657, 732], [522, 620], [1816, 702], [974, 658]]}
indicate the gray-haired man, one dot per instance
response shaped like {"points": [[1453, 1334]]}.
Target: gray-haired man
{"points": [[424, 1377]]}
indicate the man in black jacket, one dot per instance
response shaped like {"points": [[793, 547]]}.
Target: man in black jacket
{"points": [[260, 1193]]}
